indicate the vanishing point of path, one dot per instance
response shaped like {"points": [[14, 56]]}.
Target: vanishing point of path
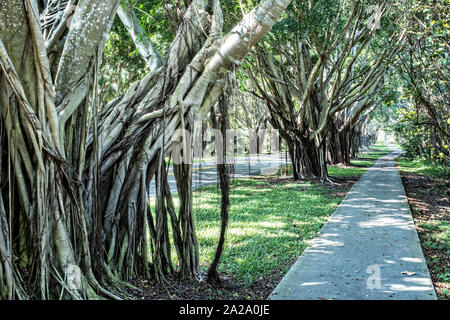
{"points": [[368, 249]]}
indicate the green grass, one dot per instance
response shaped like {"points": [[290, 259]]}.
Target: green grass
{"points": [[424, 167], [436, 239], [269, 225], [271, 221], [434, 228]]}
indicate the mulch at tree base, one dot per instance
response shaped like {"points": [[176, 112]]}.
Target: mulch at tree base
{"points": [[429, 200], [229, 289]]}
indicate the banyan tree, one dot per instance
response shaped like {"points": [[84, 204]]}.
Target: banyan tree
{"points": [[74, 177], [321, 73]]}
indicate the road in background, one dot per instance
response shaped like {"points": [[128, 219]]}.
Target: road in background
{"points": [[205, 172]]}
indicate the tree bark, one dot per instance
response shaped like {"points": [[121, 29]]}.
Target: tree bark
{"points": [[224, 168]]}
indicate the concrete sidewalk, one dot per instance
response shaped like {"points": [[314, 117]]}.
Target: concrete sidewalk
{"points": [[368, 249]]}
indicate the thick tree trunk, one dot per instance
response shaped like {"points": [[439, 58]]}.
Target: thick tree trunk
{"points": [[74, 183], [308, 160]]}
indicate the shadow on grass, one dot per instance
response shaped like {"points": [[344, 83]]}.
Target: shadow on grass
{"points": [[270, 224], [272, 219]]}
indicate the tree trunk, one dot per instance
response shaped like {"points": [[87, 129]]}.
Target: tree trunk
{"points": [[224, 169], [74, 182], [307, 162]]}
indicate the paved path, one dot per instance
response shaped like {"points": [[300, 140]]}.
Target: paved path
{"points": [[205, 172], [369, 248]]}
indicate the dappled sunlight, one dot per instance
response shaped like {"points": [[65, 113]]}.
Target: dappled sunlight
{"points": [[385, 221], [322, 244], [109, 109], [414, 259], [371, 233], [419, 284]]}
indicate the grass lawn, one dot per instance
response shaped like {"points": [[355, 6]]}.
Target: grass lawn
{"points": [[272, 220], [270, 223], [438, 172], [428, 193]]}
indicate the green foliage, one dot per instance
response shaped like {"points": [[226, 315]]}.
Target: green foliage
{"points": [[424, 167], [359, 165], [154, 22], [419, 139], [417, 107], [121, 65], [270, 224], [234, 10], [435, 228]]}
